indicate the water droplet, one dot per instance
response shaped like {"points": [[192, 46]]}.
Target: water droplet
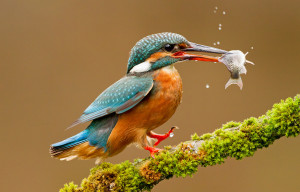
{"points": [[220, 28], [224, 12], [171, 134], [207, 86], [251, 48], [216, 7], [218, 43]]}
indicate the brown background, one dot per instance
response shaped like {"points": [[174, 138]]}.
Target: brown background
{"points": [[57, 56]]}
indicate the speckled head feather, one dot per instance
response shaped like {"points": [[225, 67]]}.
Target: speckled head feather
{"points": [[144, 48]]}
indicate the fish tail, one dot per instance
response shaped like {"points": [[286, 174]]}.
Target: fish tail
{"points": [[238, 81]]}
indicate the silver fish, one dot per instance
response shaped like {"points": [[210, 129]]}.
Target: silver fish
{"points": [[235, 62]]}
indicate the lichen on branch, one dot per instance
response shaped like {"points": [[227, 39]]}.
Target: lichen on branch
{"points": [[234, 139]]}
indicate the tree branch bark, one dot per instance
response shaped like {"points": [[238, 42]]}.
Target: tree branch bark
{"points": [[234, 139]]}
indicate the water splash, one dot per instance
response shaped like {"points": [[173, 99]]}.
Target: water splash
{"points": [[216, 8]]}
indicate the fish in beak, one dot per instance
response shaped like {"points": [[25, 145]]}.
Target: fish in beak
{"points": [[235, 62]]}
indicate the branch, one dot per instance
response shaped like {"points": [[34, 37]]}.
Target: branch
{"points": [[234, 139]]}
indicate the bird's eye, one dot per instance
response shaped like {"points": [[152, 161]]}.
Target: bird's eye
{"points": [[169, 47]]}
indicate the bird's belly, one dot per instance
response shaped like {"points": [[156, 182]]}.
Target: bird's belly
{"points": [[154, 110], [161, 103]]}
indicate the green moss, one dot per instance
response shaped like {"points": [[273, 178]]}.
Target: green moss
{"points": [[195, 137], [102, 166], [282, 120], [70, 187], [231, 124], [180, 163], [168, 147], [218, 132], [206, 136], [284, 117], [234, 139]]}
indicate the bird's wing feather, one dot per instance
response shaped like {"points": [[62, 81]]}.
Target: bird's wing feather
{"points": [[119, 98]]}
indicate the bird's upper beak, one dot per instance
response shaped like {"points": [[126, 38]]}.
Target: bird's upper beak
{"points": [[198, 48]]}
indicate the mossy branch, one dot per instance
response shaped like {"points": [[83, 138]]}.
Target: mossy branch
{"points": [[234, 139]]}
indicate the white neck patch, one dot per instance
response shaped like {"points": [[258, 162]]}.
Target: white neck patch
{"points": [[142, 67]]}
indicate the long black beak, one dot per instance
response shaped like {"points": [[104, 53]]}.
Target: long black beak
{"points": [[204, 48], [199, 48]]}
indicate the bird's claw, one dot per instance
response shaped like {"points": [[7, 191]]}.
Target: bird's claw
{"points": [[160, 138], [171, 131], [152, 150]]}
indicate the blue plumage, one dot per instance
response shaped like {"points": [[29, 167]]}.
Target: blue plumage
{"points": [[100, 129], [72, 141], [118, 98], [96, 134], [144, 48], [163, 62]]}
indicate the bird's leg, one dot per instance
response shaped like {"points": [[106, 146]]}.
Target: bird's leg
{"points": [[146, 146], [152, 150], [161, 137]]}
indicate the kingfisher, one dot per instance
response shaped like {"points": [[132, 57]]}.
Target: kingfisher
{"points": [[129, 110]]}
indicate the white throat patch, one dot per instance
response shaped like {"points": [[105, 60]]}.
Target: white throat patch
{"points": [[142, 67]]}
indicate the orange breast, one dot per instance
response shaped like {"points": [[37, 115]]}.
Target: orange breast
{"points": [[154, 110]]}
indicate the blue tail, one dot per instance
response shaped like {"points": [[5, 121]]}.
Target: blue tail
{"points": [[96, 134], [57, 148]]}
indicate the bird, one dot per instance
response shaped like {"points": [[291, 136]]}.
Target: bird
{"points": [[130, 109]]}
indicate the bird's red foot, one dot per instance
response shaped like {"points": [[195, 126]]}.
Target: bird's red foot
{"points": [[160, 137], [152, 150]]}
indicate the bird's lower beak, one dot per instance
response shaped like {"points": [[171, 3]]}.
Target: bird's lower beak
{"points": [[199, 48]]}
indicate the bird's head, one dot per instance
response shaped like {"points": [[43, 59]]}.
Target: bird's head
{"points": [[163, 49]]}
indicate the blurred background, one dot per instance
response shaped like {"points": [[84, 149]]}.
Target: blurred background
{"points": [[57, 56]]}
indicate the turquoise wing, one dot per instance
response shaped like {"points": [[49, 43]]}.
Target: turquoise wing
{"points": [[118, 98]]}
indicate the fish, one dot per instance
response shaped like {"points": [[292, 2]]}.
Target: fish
{"points": [[235, 61]]}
